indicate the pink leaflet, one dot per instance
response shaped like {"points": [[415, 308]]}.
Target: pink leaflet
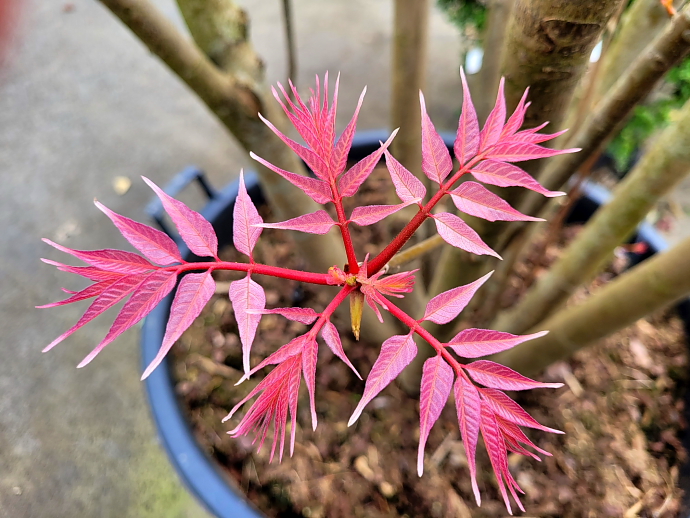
{"points": [[318, 222], [437, 381], [112, 260], [118, 291], [245, 221], [521, 151], [456, 232], [408, 187], [154, 244], [512, 431], [476, 200], [90, 272], [310, 354], [145, 298], [317, 190], [496, 448], [494, 375], [467, 138], [300, 116], [370, 214], [194, 291], [284, 352], [355, 176], [194, 230], [468, 406], [516, 119], [475, 343], [330, 335], [494, 122], [90, 291], [396, 353], [314, 161], [276, 397], [509, 410], [501, 174], [445, 306], [302, 315], [532, 137], [436, 161], [245, 295], [342, 148]]}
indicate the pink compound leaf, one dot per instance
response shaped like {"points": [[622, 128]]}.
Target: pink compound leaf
{"points": [[302, 315], [313, 161], [456, 232], [145, 298], [436, 161], [408, 187], [118, 291], [93, 290], [475, 343], [396, 353], [494, 122], [154, 244], [468, 406], [467, 138], [509, 410], [194, 230], [445, 306], [246, 295], [310, 354], [194, 291], [476, 200], [521, 151], [501, 174], [495, 375], [349, 182], [317, 190], [342, 147], [437, 382], [496, 448], [111, 260], [318, 222], [370, 214], [89, 272], [246, 222], [330, 335]]}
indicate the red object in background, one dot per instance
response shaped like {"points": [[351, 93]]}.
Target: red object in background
{"points": [[8, 21]]}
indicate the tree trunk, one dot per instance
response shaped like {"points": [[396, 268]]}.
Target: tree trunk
{"points": [[666, 163], [547, 48], [665, 52], [410, 36], [656, 283], [490, 73], [639, 25]]}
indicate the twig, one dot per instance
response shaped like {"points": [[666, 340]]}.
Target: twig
{"points": [[290, 38]]}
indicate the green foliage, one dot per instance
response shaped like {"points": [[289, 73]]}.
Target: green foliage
{"points": [[464, 14], [653, 115]]}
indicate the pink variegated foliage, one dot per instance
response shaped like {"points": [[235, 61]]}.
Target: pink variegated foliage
{"points": [[488, 154]]}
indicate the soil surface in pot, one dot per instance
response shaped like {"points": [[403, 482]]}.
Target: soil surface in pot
{"points": [[621, 408]]}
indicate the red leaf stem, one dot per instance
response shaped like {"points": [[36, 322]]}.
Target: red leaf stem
{"points": [[261, 269]]}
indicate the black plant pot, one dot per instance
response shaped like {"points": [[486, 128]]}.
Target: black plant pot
{"points": [[200, 473]]}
